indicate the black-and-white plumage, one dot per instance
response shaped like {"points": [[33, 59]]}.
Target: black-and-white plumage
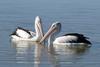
{"points": [[24, 34], [67, 39], [77, 38]]}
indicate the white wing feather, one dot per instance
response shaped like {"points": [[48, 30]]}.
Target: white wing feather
{"points": [[65, 39], [23, 33]]}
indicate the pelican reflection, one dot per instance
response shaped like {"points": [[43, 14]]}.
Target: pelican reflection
{"points": [[27, 52], [66, 54], [37, 54]]}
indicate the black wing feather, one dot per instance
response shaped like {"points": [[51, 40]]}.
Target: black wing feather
{"points": [[80, 38]]}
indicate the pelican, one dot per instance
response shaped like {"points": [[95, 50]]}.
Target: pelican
{"points": [[27, 35], [67, 39]]}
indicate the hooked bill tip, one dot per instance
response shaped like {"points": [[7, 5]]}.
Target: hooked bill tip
{"points": [[37, 18]]}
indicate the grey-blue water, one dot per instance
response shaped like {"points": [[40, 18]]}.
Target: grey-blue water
{"points": [[82, 16]]}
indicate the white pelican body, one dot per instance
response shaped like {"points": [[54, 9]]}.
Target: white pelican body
{"points": [[67, 39], [71, 39], [23, 34]]}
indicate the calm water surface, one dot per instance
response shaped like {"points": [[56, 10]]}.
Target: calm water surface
{"points": [[81, 16]]}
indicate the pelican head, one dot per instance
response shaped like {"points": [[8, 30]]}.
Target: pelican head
{"points": [[38, 28], [54, 29], [24, 34]]}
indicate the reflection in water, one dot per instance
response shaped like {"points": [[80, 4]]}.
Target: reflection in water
{"points": [[34, 53], [53, 59], [66, 54], [62, 49], [27, 52]]}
